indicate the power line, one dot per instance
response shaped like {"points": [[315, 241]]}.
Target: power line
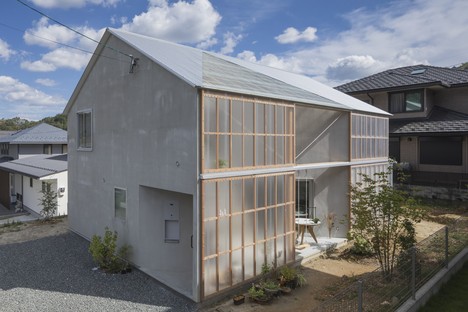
{"points": [[68, 27], [59, 43]]}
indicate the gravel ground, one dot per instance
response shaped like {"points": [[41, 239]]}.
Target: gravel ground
{"points": [[55, 274]]}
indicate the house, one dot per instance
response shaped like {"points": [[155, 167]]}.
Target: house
{"points": [[194, 158], [27, 164], [429, 126]]}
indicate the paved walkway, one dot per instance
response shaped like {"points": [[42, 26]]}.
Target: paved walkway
{"points": [[9, 215]]}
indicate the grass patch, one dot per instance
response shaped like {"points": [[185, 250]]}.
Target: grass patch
{"points": [[13, 226], [452, 296]]}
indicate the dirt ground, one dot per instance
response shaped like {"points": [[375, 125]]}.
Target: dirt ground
{"points": [[324, 275]]}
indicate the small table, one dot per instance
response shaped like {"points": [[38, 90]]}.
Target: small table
{"points": [[304, 223]]}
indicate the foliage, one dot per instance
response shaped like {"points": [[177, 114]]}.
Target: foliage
{"points": [[266, 268], [381, 216], [361, 246], [48, 201], [269, 284], [256, 293], [105, 253], [16, 123], [287, 274]]}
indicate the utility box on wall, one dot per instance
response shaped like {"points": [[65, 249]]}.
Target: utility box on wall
{"points": [[171, 222]]}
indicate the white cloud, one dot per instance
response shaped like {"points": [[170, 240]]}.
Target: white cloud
{"points": [[58, 58], [20, 99], [289, 64], [292, 35], [353, 67], [204, 45], [402, 33], [5, 51], [65, 4], [118, 20], [42, 30], [182, 21], [46, 82], [230, 42]]}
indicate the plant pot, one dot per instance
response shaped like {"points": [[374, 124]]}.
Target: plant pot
{"points": [[271, 292], [240, 299], [263, 300], [292, 283], [285, 290]]}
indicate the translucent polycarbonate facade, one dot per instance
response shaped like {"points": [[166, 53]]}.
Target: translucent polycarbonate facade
{"points": [[242, 133], [369, 137], [247, 222]]}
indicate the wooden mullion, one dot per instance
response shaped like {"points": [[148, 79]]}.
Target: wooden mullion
{"points": [[265, 130], [255, 227], [230, 231], [230, 131], [217, 237], [242, 226], [265, 217], [202, 239], [254, 132], [217, 133]]}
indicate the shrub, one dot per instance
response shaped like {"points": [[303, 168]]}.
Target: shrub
{"points": [[48, 201], [105, 253]]}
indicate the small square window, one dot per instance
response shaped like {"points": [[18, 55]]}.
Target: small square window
{"points": [[31, 182], [120, 203]]}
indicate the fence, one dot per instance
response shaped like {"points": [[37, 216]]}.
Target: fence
{"points": [[413, 269]]}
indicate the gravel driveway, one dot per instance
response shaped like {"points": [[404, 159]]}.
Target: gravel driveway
{"points": [[55, 274]]}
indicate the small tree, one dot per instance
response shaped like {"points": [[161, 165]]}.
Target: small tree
{"points": [[48, 201], [383, 217]]}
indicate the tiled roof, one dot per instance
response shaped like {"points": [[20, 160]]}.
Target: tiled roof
{"points": [[407, 76], [439, 121], [39, 134], [37, 166]]}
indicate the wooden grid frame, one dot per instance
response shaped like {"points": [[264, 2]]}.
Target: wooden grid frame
{"points": [[287, 225], [369, 137], [288, 135]]}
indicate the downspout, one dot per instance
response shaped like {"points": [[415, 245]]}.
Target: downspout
{"points": [[371, 98]]}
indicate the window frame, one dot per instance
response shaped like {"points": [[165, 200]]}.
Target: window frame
{"points": [[116, 215], [86, 147], [405, 94]]}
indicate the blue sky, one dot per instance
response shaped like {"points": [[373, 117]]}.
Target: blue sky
{"points": [[333, 41]]}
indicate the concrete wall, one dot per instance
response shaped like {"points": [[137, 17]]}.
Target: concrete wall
{"points": [[144, 134], [331, 145], [331, 196]]}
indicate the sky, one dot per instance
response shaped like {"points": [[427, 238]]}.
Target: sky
{"points": [[332, 41]]}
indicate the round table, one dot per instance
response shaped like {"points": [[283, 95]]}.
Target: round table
{"points": [[304, 223]]}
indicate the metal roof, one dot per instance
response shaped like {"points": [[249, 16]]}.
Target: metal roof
{"points": [[39, 134], [409, 76], [37, 166], [219, 72]]}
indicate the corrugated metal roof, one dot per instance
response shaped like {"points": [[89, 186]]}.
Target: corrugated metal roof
{"points": [[39, 134], [215, 71], [37, 166], [407, 76]]}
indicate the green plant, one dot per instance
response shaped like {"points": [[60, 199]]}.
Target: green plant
{"points": [[48, 201], [256, 293], [266, 268], [287, 274], [380, 217], [301, 280], [222, 163], [270, 285], [106, 254], [316, 220], [361, 246]]}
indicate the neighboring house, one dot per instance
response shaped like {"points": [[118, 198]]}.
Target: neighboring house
{"points": [[429, 126], [36, 173], [20, 147], [194, 159]]}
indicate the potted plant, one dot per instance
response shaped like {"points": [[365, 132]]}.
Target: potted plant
{"points": [[289, 277], [257, 295], [239, 299], [316, 220], [270, 287]]}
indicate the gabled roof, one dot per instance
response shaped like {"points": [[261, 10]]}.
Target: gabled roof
{"points": [[39, 134], [36, 167], [208, 70], [409, 76], [441, 120]]}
